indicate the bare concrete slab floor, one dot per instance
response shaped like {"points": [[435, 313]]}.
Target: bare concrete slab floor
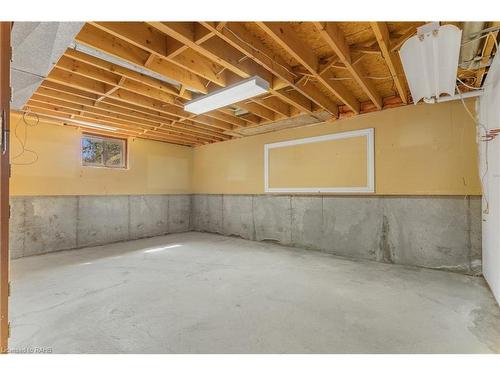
{"points": [[204, 293]]}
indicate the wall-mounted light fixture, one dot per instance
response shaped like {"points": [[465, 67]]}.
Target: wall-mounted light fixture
{"points": [[228, 95], [430, 61]]}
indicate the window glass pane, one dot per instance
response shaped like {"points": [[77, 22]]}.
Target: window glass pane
{"points": [[92, 151], [113, 153], [103, 152]]}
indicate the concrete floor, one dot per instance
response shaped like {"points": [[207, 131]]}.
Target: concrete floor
{"points": [[205, 293]]}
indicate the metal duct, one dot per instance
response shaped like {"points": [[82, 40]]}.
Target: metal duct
{"points": [[470, 44]]}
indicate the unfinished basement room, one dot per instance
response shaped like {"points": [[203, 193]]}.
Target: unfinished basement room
{"points": [[250, 187]]}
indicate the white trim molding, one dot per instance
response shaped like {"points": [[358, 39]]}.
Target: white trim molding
{"points": [[370, 160]]}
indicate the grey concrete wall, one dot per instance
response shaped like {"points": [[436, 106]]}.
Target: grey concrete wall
{"points": [[44, 224], [427, 231]]}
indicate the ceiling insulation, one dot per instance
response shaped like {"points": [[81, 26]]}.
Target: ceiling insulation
{"points": [[36, 48]]}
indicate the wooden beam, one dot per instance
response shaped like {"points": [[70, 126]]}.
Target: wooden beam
{"points": [[366, 49], [69, 90], [157, 66], [274, 104], [78, 81], [66, 120], [391, 59], [122, 124], [125, 117], [83, 69], [395, 45], [203, 126], [51, 93], [220, 26], [335, 38], [92, 86], [110, 44], [257, 110], [282, 33], [219, 51], [150, 39], [90, 74], [130, 74], [134, 78], [214, 49], [238, 37], [295, 98], [137, 99], [299, 101], [58, 111], [252, 118], [201, 34], [138, 34], [230, 119]]}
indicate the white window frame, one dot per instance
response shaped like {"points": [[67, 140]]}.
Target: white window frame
{"points": [[370, 159]]}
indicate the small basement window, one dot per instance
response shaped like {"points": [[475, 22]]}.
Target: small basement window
{"points": [[105, 152]]}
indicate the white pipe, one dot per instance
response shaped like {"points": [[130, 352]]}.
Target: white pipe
{"points": [[115, 60], [465, 95]]}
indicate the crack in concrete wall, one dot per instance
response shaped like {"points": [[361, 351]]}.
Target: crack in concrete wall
{"points": [[439, 232]]}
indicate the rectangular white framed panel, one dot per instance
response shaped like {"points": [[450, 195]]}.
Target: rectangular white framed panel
{"points": [[370, 163]]}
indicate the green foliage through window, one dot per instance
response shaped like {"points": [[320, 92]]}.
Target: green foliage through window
{"points": [[103, 152]]}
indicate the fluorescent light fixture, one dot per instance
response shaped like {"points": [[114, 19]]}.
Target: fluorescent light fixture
{"points": [[91, 125], [68, 121], [430, 61], [228, 95]]}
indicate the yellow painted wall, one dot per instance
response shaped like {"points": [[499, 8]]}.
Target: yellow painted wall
{"points": [[423, 149], [326, 164], [153, 168]]}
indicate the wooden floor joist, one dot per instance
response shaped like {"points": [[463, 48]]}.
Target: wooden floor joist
{"points": [[141, 74], [391, 58]]}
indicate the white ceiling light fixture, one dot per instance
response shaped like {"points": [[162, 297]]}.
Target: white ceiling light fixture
{"points": [[430, 61], [90, 125], [67, 121], [228, 95]]}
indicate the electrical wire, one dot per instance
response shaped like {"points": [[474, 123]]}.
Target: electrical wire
{"points": [[367, 77], [24, 139], [494, 40], [485, 129], [258, 50], [470, 87]]}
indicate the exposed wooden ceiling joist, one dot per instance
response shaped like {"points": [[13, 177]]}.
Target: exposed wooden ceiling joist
{"points": [[237, 36], [282, 33], [335, 38], [391, 58], [318, 69]]}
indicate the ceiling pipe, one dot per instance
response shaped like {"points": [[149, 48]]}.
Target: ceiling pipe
{"points": [[124, 64], [470, 44], [465, 95]]}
